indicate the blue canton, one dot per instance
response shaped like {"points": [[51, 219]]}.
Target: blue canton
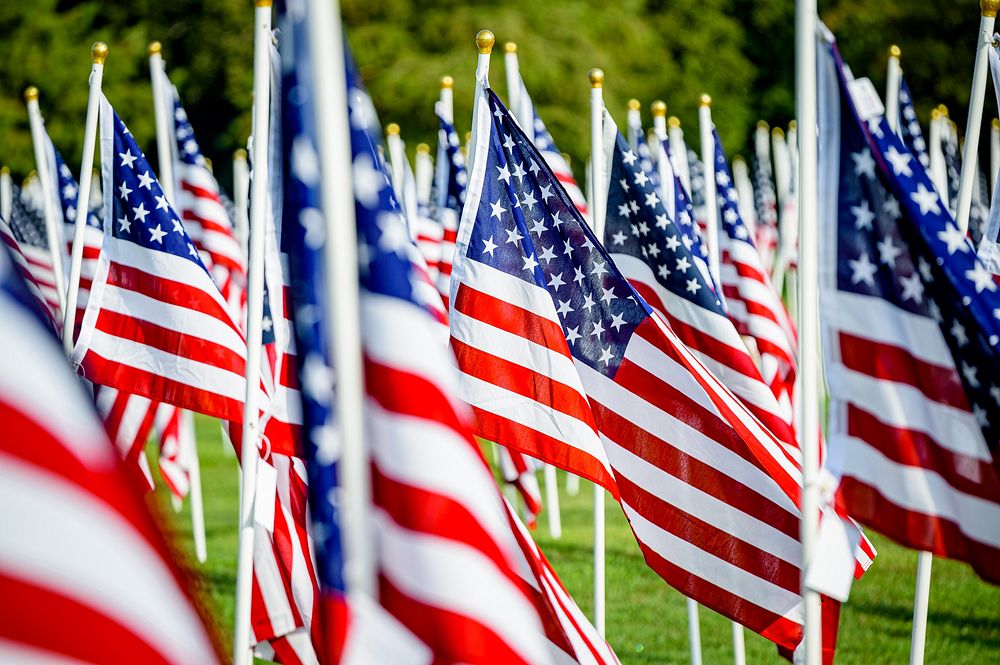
{"points": [[190, 151], [527, 227], [896, 241], [909, 125], [729, 207], [452, 164], [685, 212], [638, 225], [69, 193]]}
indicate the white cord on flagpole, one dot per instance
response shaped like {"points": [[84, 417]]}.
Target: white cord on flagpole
{"points": [[679, 153], [808, 378], [921, 600], [970, 155], [711, 200], [190, 447], [598, 212], [249, 455], [6, 193], [241, 193], [50, 191], [98, 54], [894, 75]]}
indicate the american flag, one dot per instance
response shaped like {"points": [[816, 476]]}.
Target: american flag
{"points": [[909, 125], [199, 202], [156, 324], [754, 304], [25, 235], [648, 247], [910, 320], [562, 359], [85, 572], [518, 470], [550, 153], [765, 198], [176, 449], [450, 185]]}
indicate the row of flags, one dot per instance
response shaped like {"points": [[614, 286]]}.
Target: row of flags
{"points": [[491, 308]]}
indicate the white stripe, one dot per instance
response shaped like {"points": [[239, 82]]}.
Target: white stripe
{"points": [[493, 282], [303, 589], [916, 489], [25, 654], [460, 579], [61, 538]]}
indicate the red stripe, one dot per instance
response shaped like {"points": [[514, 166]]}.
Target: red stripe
{"points": [[890, 363], [200, 192], [511, 318], [917, 530]]}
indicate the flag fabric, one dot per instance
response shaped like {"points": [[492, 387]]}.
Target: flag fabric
{"points": [[518, 470], [550, 153], [754, 304], [85, 572], [450, 185], [562, 359], [176, 449], [128, 420], [199, 202], [910, 320], [156, 324], [765, 200], [909, 125], [24, 234], [646, 245]]}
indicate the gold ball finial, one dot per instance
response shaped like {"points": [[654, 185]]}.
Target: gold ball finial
{"points": [[240, 153], [392, 129], [792, 125], [761, 124], [596, 78], [935, 114], [634, 105], [989, 7], [704, 100], [894, 51], [98, 53], [447, 82], [943, 109], [996, 123], [30, 93], [154, 48], [674, 121], [485, 39], [510, 47], [423, 149], [4, 170], [659, 109], [262, 3], [778, 133]]}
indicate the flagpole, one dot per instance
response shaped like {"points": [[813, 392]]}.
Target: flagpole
{"points": [[484, 43], [679, 153], [194, 477], [938, 170], [894, 74], [249, 455], [447, 98], [598, 213], [343, 299], [744, 189], [241, 190], [658, 109], [711, 199], [423, 173], [994, 153], [6, 194], [779, 150], [46, 180], [98, 54], [162, 118], [921, 601], [513, 75], [808, 276], [634, 123]]}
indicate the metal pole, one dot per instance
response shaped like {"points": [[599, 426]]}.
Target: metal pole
{"points": [[634, 123], [6, 193], [163, 117], [679, 153], [98, 54], [921, 600], [513, 76], [190, 448], [241, 194], [994, 153], [711, 202]]}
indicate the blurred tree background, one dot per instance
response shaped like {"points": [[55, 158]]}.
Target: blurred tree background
{"points": [[739, 51]]}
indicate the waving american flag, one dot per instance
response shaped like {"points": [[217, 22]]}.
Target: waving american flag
{"points": [[450, 185], [913, 344]]}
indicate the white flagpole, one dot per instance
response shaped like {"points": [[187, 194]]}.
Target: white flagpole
{"points": [[658, 109], [512, 73], [634, 123], [194, 476], [921, 601], [894, 75], [249, 455], [6, 193], [598, 212], [448, 98], [938, 170], [808, 275], [970, 155], [744, 189], [98, 54], [326, 40], [711, 201], [994, 152], [779, 149], [48, 180], [424, 173], [241, 192], [485, 39], [679, 152], [397, 159]]}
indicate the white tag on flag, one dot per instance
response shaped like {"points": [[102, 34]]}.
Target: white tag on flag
{"points": [[866, 99], [263, 502], [831, 571]]}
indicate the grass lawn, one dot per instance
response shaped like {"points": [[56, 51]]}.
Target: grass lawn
{"points": [[646, 619]]}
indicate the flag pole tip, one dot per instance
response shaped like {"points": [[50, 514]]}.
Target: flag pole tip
{"points": [[704, 100], [763, 125], [510, 47], [634, 105], [674, 121], [155, 48], [4, 170], [943, 110], [989, 7], [447, 82], [935, 114], [485, 39], [262, 3], [99, 53], [596, 77], [792, 125], [423, 149], [240, 154], [658, 109], [778, 133], [392, 129], [996, 123], [30, 93], [894, 52]]}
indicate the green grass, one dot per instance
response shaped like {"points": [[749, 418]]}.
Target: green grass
{"points": [[646, 620]]}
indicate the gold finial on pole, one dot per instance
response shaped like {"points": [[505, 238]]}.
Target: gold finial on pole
{"points": [[935, 114], [154, 48], [704, 100], [673, 121], [634, 105], [485, 39], [792, 125], [596, 78], [392, 128], [761, 124], [262, 3], [423, 149], [98, 53], [778, 133], [30, 93], [510, 47], [240, 153], [943, 110], [988, 7], [658, 109], [996, 123], [447, 82], [894, 51]]}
